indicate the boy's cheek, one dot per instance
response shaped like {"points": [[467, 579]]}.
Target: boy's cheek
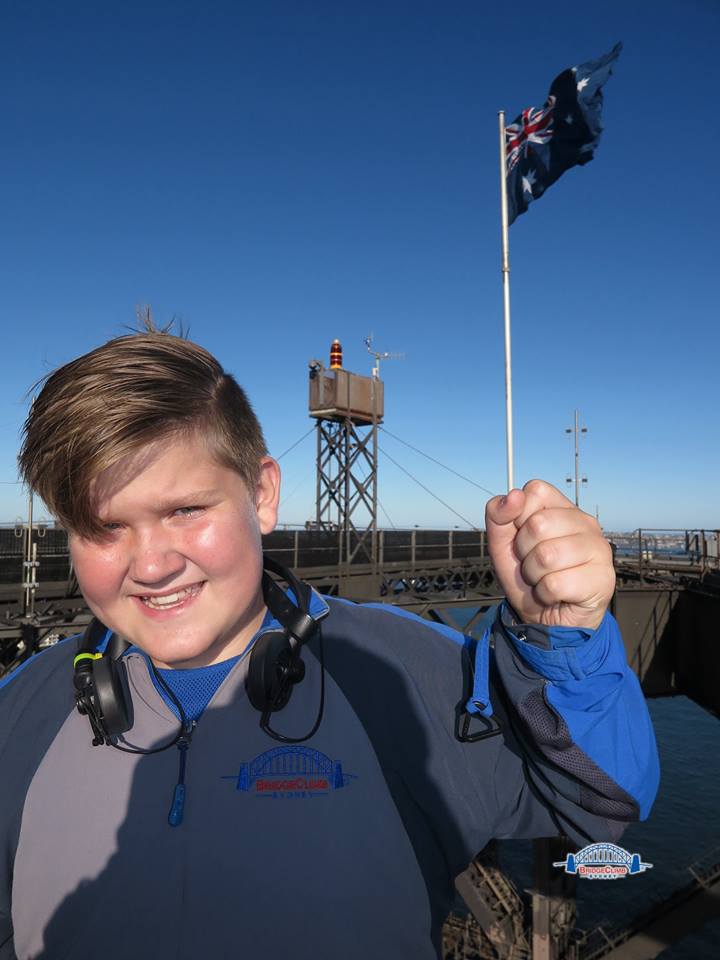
{"points": [[217, 547], [98, 572]]}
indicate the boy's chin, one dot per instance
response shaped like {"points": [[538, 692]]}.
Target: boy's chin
{"points": [[178, 656]]}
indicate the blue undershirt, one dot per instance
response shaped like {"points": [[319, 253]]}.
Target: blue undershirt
{"points": [[196, 687]]}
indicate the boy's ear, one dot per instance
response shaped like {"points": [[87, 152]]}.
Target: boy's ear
{"points": [[267, 494]]}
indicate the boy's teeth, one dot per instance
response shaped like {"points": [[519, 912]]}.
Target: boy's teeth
{"points": [[171, 598]]}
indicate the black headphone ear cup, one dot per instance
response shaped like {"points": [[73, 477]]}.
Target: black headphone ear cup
{"points": [[272, 671], [112, 697]]}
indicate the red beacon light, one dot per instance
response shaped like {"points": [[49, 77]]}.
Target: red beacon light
{"points": [[335, 355]]}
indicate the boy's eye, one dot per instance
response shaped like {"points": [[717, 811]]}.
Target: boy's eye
{"points": [[188, 511]]}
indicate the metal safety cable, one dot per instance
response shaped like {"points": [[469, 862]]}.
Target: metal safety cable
{"points": [[296, 443], [438, 462], [428, 490]]}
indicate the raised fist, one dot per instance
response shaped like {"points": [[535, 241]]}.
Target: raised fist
{"points": [[551, 559]]}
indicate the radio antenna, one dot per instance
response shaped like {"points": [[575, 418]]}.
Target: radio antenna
{"points": [[380, 356]]}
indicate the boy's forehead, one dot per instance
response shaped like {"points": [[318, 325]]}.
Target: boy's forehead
{"points": [[163, 471]]}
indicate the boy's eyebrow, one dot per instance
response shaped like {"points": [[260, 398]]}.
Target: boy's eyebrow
{"points": [[190, 499]]}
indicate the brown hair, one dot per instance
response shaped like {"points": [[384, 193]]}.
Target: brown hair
{"points": [[108, 403]]}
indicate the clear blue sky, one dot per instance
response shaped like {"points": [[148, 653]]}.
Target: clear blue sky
{"points": [[278, 174]]}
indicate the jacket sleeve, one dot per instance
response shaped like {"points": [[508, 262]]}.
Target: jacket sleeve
{"points": [[584, 736], [34, 701]]}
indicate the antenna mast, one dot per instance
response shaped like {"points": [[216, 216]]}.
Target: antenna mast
{"points": [[380, 356]]}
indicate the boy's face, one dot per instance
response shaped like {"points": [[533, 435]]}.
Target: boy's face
{"points": [[179, 572]]}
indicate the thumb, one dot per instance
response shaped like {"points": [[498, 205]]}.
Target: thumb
{"points": [[500, 516]]}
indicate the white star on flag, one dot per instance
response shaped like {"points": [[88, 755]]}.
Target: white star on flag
{"points": [[528, 182], [583, 83]]}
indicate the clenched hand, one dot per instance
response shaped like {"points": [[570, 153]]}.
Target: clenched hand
{"points": [[551, 559]]}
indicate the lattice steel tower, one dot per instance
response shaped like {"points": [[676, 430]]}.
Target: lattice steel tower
{"points": [[348, 408]]}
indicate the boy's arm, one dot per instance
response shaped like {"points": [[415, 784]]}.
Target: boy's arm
{"points": [[581, 741], [580, 724]]}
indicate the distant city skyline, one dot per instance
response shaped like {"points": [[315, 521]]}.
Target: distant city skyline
{"points": [[282, 174]]}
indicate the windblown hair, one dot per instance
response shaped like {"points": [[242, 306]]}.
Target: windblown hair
{"points": [[111, 402]]}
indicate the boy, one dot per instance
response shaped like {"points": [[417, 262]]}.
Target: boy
{"points": [[388, 750]]}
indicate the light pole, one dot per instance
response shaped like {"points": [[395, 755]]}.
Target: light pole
{"points": [[577, 430]]}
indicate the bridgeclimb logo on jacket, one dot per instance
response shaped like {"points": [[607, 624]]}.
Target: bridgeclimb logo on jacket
{"points": [[603, 861], [291, 773]]}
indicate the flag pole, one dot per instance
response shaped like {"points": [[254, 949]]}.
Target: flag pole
{"points": [[506, 302]]}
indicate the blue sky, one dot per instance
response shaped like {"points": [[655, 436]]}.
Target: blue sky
{"points": [[278, 174]]}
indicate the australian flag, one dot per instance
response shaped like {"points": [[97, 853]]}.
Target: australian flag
{"points": [[543, 143]]}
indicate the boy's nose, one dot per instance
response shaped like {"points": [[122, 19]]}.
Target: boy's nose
{"points": [[155, 561]]}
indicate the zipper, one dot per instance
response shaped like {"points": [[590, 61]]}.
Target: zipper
{"points": [[177, 808]]}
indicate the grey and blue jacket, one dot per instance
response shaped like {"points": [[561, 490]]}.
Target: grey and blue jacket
{"points": [[346, 845]]}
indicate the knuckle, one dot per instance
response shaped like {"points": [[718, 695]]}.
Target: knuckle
{"points": [[537, 525], [546, 554], [530, 574], [535, 486], [552, 586]]}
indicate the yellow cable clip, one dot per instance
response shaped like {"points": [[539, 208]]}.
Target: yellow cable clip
{"points": [[86, 656]]}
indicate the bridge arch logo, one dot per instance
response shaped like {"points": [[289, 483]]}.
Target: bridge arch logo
{"points": [[603, 861], [291, 772]]}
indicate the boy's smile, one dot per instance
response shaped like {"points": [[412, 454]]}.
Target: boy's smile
{"points": [[177, 599], [179, 571]]}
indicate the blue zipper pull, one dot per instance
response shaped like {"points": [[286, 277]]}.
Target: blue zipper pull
{"points": [[178, 805], [177, 808]]}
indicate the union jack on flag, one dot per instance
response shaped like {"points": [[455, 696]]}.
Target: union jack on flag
{"points": [[532, 126], [541, 144]]}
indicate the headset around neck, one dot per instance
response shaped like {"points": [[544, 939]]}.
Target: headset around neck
{"points": [[275, 667]]}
